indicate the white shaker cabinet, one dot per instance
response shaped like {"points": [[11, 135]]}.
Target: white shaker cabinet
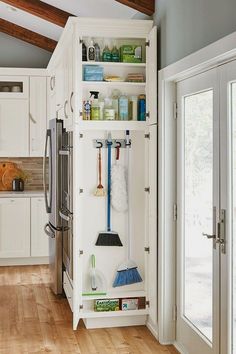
{"points": [[39, 240], [38, 115], [14, 127], [14, 227], [68, 87]]}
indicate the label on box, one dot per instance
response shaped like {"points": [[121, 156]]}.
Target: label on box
{"points": [[107, 305], [129, 304]]}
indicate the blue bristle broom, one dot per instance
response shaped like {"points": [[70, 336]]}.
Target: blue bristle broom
{"points": [[127, 273]]}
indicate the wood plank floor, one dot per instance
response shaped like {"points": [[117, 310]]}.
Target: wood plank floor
{"points": [[33, 320]]}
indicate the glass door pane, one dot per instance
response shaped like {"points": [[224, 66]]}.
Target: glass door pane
{"points": [[198, 211]]}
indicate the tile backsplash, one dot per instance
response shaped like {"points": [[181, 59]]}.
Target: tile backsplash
{"points": [[33, 167]]}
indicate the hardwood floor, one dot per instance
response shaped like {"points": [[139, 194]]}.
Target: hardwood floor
{"points": [[33, 320]]}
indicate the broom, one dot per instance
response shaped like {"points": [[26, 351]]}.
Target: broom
{"points": [[99, 192], [108, 237], [127, 273]]}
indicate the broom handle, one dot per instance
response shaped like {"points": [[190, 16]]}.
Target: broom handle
{"points": [[109, 186], [99, 167], [128, 194]]}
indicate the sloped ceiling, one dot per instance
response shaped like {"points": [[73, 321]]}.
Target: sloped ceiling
{"points": [[83, 8]]}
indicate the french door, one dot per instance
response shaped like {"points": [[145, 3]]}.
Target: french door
{"points": [[206, 200]]}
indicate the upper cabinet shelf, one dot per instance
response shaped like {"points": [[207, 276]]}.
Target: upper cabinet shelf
{"points": [[14, 87], [119, 64], [114, 83]]}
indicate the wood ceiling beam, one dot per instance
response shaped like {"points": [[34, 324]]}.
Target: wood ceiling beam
{"points": [[41, 9], [27, 36], [145, 6]]}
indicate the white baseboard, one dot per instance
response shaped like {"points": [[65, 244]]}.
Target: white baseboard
{"points": [[24, 261], [180, 348], [153, 330]]}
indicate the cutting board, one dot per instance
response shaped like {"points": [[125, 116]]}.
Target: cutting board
{"points": [[8, 171]]}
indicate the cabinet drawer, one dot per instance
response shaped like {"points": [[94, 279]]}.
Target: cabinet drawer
{"points": [[68, 289]]}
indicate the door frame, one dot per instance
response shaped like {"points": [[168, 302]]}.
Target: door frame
{"points": [[214, 55]]}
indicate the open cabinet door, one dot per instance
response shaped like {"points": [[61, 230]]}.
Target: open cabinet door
{"points": [[151, 78], [152, 229]]}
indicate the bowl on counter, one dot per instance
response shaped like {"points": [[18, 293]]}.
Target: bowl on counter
{"points": [[5, 89]]}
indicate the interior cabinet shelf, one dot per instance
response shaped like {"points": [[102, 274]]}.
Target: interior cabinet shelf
{"points": [[115, 64], [112, 125], [94, 314], [114, 83], [124, 294]]}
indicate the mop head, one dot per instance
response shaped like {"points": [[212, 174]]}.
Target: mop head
{"points": [[108, 238], [119, 198], [127, 274]]}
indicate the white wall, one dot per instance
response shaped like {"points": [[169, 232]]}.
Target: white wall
{"points": [[16, 53], [188, 25]]}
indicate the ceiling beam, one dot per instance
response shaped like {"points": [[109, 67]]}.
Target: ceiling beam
{"points": [[27, 36], [41, 9], [145, 6]]}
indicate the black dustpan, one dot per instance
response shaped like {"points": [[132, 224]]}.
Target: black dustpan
{"points": [[108, 237]]}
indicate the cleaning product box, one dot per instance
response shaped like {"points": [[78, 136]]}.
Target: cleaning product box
{"points": [[131, 53], [93, 73], [129, 304], [107, 305]]}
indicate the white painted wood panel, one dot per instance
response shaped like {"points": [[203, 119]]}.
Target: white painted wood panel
{"points": [[39, 240], [38, 115], [14, 227], [14, 127]]}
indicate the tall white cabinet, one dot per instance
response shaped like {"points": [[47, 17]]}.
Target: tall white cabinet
{"points": [[89, 214]]}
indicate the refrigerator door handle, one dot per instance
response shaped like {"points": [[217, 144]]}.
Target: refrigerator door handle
{"points": [[48, 203], [48, 231]]}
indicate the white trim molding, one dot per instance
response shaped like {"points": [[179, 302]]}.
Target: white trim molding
{"points": [[216, 54]]}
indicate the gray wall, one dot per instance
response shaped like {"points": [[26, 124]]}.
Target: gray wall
{"points": [[188, 25], [16, 53]]}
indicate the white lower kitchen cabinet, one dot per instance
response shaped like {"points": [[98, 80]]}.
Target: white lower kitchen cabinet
{"points": [[14, 127], [39, 240], [14, 227]]}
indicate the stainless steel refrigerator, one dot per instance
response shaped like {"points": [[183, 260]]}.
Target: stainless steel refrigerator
{"points": [[52, 191]]}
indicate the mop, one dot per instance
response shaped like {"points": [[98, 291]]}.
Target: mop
{"points": [[108, 237], [127, 273]]}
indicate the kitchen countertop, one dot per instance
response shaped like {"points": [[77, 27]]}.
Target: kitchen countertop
{"points": [[24, 194]]}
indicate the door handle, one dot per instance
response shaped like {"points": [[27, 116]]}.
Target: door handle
{"points": [[209, 236], [48, 231]]}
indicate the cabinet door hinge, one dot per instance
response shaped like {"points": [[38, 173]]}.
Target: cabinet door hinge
{"points": [[81, 135], [81, 307], [147, 189], [147, 303], [175, 313], [147, 249], [175, 212], [81, 252], [175, 110], [147, 136], [147, 44], [81, 41], [81, 191], [148, 115]]}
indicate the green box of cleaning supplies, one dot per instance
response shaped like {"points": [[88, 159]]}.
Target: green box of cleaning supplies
{"points": [[107, 305], [131, 53]]}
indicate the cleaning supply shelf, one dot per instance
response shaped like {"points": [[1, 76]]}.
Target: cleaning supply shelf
{"points": [[116, 294], [119, 64], [113, 83], [94, 314], [112, 125]]}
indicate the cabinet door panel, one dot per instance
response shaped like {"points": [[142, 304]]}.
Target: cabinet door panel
{"points": [[152, 76], [14, 127], [39, 240], [14, 227], [38, 115]]}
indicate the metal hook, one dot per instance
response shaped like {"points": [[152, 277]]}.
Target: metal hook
{"points": [[99, 144], [118, 144]]}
